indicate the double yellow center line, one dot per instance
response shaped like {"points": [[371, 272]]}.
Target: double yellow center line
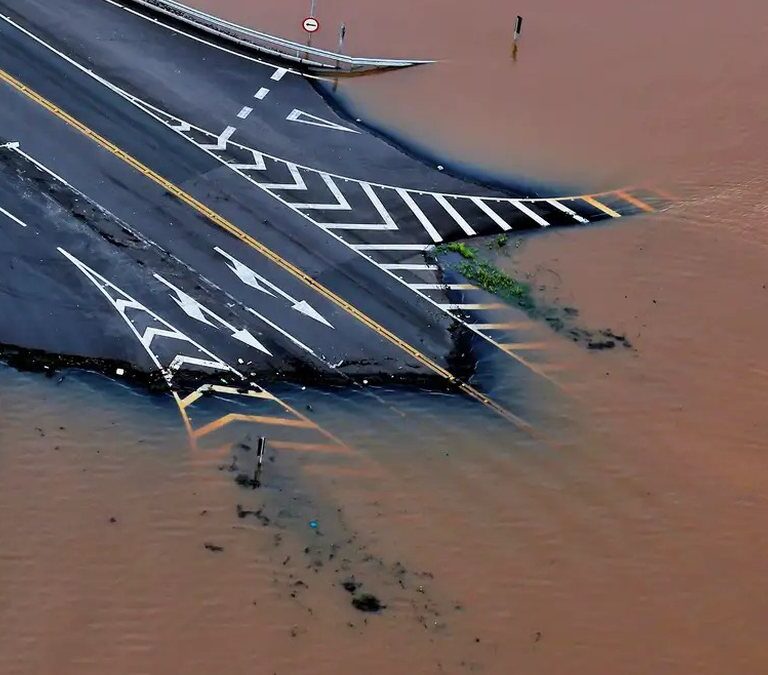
{"points": [[264, 250]]}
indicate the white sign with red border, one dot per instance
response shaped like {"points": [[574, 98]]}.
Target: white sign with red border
{"points": [[311, 24]]}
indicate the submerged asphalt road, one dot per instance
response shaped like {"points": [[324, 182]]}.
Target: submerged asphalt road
{"points": [[160, 191]]}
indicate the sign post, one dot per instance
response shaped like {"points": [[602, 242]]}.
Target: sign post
{"points": [[311, 24], [342, 35], [516, 36]]}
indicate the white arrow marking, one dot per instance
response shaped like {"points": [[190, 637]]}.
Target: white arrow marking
{"points": [[221, 141], [249, 277], [197, 311], [305, 118], [12, 217], [244, 273], [182, 126]]}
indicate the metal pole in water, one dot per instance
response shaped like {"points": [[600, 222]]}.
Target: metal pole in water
{"points": [[312, 10], [342, 35], [516, 35], [260, 461]]}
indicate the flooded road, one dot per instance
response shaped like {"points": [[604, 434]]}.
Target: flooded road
{"points": [[633, 545]]}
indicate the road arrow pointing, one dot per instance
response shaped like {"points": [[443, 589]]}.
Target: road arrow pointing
{"points": [[194, 309], [250, 278]]}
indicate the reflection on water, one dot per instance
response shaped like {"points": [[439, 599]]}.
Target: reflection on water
{"points": [[633, 543]]}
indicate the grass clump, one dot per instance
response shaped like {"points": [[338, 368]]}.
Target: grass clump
{"points": [[465, 251], [493, 280]]}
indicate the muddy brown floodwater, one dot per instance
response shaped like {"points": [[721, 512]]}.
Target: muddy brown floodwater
{"points": [[635, 547]]}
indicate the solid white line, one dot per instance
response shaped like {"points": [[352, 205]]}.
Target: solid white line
{"points": [[278, 74], [443, 287], [12, 217], [531, 214], [494, 305], [495, 217], [409, 266], [261, 93], [285, 333], [463, 224], [565, 209], [244, 112], [431, 231], [390, 247]]}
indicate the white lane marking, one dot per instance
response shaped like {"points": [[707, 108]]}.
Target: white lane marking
{"points": [[443, 287], [565, 209], [261, 94], [389, 247], [388, 224], [221, 141], [298, 181], [409, 266], [244, 112], [212, 44], [12, 217], [431, 231], [123, 302], [509, 325], [278, 74], [478, 306], [302, 117], [248, 276], [341, 203], [463, 224], [258, 163], [531, 214], [283, 332], [198, 311], [495, 217], [12, 145]]}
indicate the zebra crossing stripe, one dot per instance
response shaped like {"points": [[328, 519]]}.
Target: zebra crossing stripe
{"points": [[531, 214], [565, 209], [602, 207], [463, 224], [495, 217], [431, 231]]}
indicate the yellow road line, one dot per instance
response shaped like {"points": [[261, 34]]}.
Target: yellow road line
{"points": [[639, 203], [252, 419], [264, 250], [602, 207]]}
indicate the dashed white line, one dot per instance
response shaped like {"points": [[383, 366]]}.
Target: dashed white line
{"points": [[261, 93], [278, 74], [244, 112]]}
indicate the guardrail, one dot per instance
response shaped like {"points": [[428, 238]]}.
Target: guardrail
{"points": [[311, 57]]}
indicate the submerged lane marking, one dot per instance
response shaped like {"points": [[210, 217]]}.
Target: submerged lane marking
{"points": [[244, 112], [261, 94], [268, 253], [12, 217]]}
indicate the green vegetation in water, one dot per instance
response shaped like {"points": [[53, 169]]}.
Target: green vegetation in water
{"points": [[499, 242], [493, 280], [466, 252]]}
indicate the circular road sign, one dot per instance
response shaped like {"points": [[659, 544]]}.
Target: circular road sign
{"points": [[311, 24]]}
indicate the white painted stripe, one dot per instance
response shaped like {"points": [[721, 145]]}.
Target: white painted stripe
{"points": [[531, 214], [392, 247], [285, 333], [221, 141], [495, 217], [278, 74], [388, 224], [244, 112], [409, 266], [341, 203], [495, 305], [431, 231], [443, 287], [261, 94], [380, 227], [463, 224], [565, 209], [12, 217]]}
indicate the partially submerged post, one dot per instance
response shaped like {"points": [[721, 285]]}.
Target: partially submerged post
{"points": [[516, 35], [259, 461]]}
